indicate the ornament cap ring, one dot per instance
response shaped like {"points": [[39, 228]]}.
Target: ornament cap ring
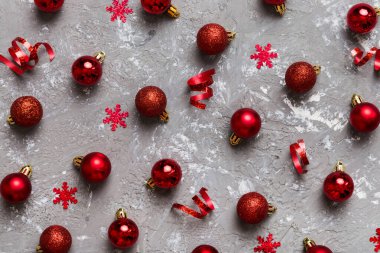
{"points": [[308, 243], [27, 170], [339, 166], [121, 214], [317, 69], [100, 56], [356, 99], [173, 12], [77, 161]]}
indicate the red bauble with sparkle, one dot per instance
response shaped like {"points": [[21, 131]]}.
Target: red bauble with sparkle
{"points": [[245, 123], [252, 208], [205, 249], [300, 77], [55, 239], [87, 70], [95, 167], [338, 186], [156, 7], [166, 173], [150, 101], [212, 39], [365, 117], [362, 18], [123, 233], [275, 2], [26, 111], [319, 249], [49, 5], [15, 188]]}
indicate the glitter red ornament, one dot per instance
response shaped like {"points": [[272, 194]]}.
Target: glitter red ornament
{"points": [[123, 232], [151, 101], [279, 5], [213, 39], [158, 7], [16, 187], [55, 239], [204, 249], [362, 18], [165, 174], [301, 76], [364, 117], [87, 70], [49, 5], [26, 112], [311, 247], [94, 167], [245, 123], [252, 208], [338, 186]]}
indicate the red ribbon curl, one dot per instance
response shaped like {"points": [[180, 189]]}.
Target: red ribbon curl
{"points": [[299, 156], [204, 208], [201, 82], [23, 60], [360, 60]]}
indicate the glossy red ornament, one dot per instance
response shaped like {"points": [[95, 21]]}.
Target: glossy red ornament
{"points": [[205, 249], [364, 117], [213, 39], [245, 123], [87, 70], [16, 187], [165, 174], [55, 239], [123, 232], [49, 5], [26, 112], [338, 186], [94, 167], [252, 208], [151, 101], [311, 247], [362, 18], [301, 77], [158, 7]]}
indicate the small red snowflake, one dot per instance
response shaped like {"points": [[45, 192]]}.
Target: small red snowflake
{"points": [[267, 245], [115, 118], [376, 240], [119, 10], [65, 195], [263, 56]]}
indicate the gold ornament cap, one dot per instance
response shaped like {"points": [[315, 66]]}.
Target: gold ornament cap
{"points": [[164, 116], [308, 243], [271, 209], [121, 214], [231, 35], [234, 140], [280, 8], [317, 69], [173, 12], [27, 170], [100, 56], [77, 161], [150, 183], [339, 167], [356, 99]]}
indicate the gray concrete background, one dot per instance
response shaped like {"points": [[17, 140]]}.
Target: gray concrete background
{"points": [[159, 51]]}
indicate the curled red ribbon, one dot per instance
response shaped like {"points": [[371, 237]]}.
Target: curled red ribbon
{"points": [[23, 60], [299, 156], [360, 60], [201, 82], [204, 208]]}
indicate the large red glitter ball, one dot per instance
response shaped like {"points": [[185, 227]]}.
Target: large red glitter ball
{"points": [[15, 188], [212, 39], [361, 18], [338, 186], [87, 70], [319, 249], [365, 117], [123, 233], [205, 249], [252, 208], [245, 123], [49, 5], [300, 77], [150, 101], [55, 239], [156, 6], [166, 173], [275, 2], [26, 111], [95, 167]]}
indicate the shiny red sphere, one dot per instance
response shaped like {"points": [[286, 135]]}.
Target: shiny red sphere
{"points": [[212, 39], [365, 117], [156, 7], [245, 123], [166, 173], [338, 186], [275, 2], [362, 18], [123, 233], [319, 249], [15, 188], [49, 5], [252, 208], [204, 249], [95, 167], [55, 239], [87, 70]]}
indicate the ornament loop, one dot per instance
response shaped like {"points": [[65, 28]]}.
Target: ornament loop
{"points": [[299, 156], [377, 9], [100, 56], [121, 214], [340, 166], [10, 120], [231, 35], [173, 12], [150, 183], [77, 161], [317, 69], [271, 209], [281, 8], [308, 243], [27, 170], [356, 99], [164, 116], [234, 140]]}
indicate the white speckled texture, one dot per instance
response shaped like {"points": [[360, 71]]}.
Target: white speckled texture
{"points": [[159, 51]]}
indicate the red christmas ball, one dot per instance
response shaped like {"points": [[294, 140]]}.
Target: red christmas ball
{"points": [[95, 167], [365, 117], [49, 5], [205, 249], [252, 208], [212, 39], [26, 111], [319, 249], [87, 70], [362, 18], [123, 233], [300, 77], [156, 7], [150, 101], [245, 123], [275, 2], [55, 239], [15, 188], [338, 186], [166, 173]]}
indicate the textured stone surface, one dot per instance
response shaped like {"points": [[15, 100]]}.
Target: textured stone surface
{"points": [[159, 51]]}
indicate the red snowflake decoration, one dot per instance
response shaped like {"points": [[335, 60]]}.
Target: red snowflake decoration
{"points": [[65, 195], [264, 56], [376, 240], [267, 245], [116, 117], [119, 10]]}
